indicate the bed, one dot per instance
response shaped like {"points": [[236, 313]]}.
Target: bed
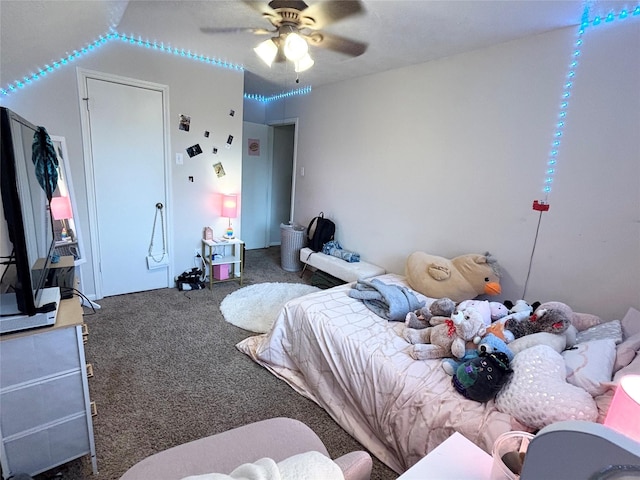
{"points": [[332, 349]]}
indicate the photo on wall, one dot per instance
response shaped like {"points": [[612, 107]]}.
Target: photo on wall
{"points": [[194, 150], [184, 123], [253, 147], [217, 167]]}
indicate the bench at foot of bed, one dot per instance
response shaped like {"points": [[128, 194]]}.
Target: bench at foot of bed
{"points": [[349, 272]]}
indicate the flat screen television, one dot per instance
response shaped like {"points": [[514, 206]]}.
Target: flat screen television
{"points": [[29, 222]]}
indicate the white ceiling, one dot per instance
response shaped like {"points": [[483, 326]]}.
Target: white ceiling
{"points": [[398, 32]]}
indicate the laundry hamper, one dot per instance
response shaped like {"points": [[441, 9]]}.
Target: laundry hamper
{"points": [[292, 241]]}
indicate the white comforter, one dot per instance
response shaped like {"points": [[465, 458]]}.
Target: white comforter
{"points": [[332, 349]]}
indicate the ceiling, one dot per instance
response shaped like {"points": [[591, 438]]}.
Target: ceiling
{"points": [[398, 32]]}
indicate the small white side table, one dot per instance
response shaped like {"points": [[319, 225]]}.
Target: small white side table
{"points": [[234, 258], [454, 459]]}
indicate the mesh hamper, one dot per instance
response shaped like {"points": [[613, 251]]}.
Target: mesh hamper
{"points": [[292, 242]]}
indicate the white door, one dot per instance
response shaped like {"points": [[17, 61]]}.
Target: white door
{"points": [[129, 177], [256, 187]]}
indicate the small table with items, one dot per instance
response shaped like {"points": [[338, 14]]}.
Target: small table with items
{"points": [[225, 259], [454, 459]]}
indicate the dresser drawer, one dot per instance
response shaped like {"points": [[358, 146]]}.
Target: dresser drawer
{"points": [[41, 403], [40, 450], [24, 359]]}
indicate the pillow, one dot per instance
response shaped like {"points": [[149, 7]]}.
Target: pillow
{"points": [[626, 351], [590, 364], [632, 369], [537, 393], [631, 323], [554, 340], [611, 329]]}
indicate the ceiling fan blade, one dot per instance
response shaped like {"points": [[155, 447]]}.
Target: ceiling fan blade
{"points": [[323, 13], [261, 7], [336, 43], [256, 31]]}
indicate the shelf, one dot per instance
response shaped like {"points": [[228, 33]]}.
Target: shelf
{"points": [[232, 252]]}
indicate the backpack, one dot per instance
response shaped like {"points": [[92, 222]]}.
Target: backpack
{"points": [[319, 232]]}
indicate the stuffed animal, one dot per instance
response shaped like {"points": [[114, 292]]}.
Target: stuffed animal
{"points": [[581, 321], [552, 320], [490, 311], [518, 311], [461, 278], [481, 378], [442, 307], [448, 338], [488, 344]]}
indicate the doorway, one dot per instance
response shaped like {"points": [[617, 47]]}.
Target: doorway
{"points": [[126, 166], [268, 182]]}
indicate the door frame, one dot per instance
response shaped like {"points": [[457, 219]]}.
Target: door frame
{"points": [[280, 123], [82, 76]]}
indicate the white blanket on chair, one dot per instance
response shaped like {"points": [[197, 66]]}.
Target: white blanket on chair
{"points": [[305, 466]]}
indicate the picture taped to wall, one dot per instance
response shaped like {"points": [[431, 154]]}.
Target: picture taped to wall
{"points": [[253, 147], [194, 150], [229, 141], [215, 150], [185, 123], [217, 167], [206, 134], [232, 112]]}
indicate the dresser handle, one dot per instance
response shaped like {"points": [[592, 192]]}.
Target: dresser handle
{"points": [[89, 370], [94, 409], [85, 329]]}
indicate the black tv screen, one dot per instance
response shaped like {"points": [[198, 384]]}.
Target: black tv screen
{"points": [[25, 204]]}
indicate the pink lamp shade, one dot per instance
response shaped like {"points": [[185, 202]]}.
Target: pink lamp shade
{"points": [[623, 415], [229, 206], [61, 208]]}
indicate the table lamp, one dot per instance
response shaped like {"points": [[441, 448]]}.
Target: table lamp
{"points": [[624, 411], [229, 210], [61, 210]]}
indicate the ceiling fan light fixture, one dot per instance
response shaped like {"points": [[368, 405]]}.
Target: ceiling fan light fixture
{"points": [[305, 63], [295, 47], [267, 51]]}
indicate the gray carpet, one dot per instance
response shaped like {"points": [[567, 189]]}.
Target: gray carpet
{"points": [[167, 372]]}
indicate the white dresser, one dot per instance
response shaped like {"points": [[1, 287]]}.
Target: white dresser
{"points": [[45, 411]]}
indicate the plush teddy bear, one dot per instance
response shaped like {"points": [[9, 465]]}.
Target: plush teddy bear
{"points": [[551, 320], [461, 278], [442, 307], [488, 344], [448, 338]]}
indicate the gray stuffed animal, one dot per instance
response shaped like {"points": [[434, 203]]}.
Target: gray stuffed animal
{"points": [[442, 307], [552, 320]]}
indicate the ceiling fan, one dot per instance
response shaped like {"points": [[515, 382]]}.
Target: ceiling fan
{"points": [[297, 25]]}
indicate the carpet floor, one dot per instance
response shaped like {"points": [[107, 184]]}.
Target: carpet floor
{"points": [[167, 372]]}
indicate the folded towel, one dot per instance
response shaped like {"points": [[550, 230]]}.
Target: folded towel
{"points": [[392, 302]]}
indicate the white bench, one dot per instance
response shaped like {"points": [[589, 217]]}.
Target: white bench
{"points": [[349, 272]]}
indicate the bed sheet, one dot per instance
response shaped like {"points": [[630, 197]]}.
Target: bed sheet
{"points": [[332, 349]]}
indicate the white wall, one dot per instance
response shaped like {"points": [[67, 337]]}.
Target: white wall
{"points": [[447, 157], [207, 93]]}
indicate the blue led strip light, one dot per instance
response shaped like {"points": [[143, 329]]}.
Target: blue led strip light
{"points": [[566, 94], [263, 99], [113, 35]]}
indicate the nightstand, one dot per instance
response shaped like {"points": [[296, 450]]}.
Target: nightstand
{"points": [[454, 459], [225, 259]]}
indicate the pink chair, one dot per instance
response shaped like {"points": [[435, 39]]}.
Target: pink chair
{"points": [[276, 438]]}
